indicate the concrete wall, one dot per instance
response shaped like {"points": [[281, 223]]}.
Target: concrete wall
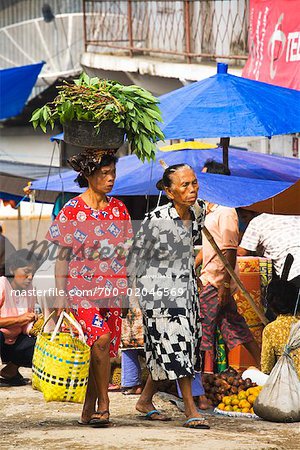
{"points": [[27, 146]]}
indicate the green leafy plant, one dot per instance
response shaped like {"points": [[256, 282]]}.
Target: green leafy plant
{"points": [[94, 100]]}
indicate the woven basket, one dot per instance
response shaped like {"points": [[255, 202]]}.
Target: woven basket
{"points": [[84, 134], [60, 365]]}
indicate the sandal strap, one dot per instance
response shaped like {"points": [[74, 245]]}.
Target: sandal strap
{"points": [[154, 411], [101, 413], [195, 419]]}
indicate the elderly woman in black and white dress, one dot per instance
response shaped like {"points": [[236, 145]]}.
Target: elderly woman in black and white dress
{"points": [[161, 266]]}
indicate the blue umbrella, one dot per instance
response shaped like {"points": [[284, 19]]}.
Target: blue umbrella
{"points": [[227, 105]]}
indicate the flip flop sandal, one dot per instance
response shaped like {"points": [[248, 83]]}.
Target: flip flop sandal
{"points": [[96, 422], [129, 392], [14, 381], [149, 416], [201, 425], [84, 424]]}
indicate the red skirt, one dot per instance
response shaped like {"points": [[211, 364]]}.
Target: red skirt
{"points": [[97, 321]]}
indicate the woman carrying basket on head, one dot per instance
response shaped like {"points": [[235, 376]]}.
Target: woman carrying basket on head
{"points": [[94, 232]]}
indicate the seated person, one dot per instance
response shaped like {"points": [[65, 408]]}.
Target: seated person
{"points": [[16, 317], [282, 297]]}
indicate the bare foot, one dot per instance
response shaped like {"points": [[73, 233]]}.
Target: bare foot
{"points": [[203, 402], [10, 371], [147, 407], [135, 390], [101, 416], [114, 387], [86, 416]]}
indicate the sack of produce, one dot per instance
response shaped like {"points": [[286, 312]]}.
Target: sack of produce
{"points": [[279, 400]]}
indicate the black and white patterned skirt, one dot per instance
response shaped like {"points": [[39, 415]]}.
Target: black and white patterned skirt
{"points": [[172, 342]]}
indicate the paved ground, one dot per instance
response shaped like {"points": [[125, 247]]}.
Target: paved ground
{"points": [[27, 423]]}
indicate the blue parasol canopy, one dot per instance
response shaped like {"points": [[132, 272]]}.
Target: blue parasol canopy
{"points": [[227, 105]]}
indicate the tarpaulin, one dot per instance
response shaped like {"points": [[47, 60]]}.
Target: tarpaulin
{"points": [[274, 42], [247, 184], [225, 105], [287, 202], [16, 84]]}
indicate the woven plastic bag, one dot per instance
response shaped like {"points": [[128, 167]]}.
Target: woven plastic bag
{"points": [[60, 365], [279, 400]]}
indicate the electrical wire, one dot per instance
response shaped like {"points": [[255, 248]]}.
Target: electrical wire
{"points": [[148, 195], [48, 176]]}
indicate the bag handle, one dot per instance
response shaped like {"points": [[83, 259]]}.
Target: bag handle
{"points": [[297, 303], [46, 321], [71, 321]]}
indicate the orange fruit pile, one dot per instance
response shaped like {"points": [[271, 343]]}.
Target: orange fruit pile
{"points": [[241, 402]]}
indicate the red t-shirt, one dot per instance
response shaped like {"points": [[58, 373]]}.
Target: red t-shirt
{"points": [[98, 242]]}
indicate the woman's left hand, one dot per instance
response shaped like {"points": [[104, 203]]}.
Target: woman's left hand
{"points": [[224, 295]]}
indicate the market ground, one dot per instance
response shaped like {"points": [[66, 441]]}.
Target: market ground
{"points": [[27, 422]]}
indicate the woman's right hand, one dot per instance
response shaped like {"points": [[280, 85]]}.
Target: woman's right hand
{"points": [[26, 318]]}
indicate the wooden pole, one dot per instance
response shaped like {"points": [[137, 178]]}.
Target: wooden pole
{"points": [[234, 276], [187, 29], [225, 144], [129, 26]]}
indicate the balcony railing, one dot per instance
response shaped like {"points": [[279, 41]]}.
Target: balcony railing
{"points": [[184, 30]]}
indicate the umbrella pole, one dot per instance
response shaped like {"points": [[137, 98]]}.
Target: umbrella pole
{"points": [[225, 144], [234, 276]]}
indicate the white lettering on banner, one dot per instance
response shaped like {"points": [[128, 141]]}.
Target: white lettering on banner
{"points": [[293, 47], [257, 43], [260, 40], [275, 50]]}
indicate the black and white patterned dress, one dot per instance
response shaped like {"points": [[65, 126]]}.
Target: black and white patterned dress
{"points": [[161, 266]]}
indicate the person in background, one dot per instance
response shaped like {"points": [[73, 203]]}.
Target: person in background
{"points": [[161, 266], [217, 305], [244, 216], [6, 249], [284, 301], [132, 346], [131, 372], [274, 236], [16, 317], [60, 201], [282, 297]]}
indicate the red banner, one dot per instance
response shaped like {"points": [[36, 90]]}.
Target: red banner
{"points": [[274, 42]]}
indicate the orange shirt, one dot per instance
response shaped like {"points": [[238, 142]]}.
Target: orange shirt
{"points": [[222, 223]]}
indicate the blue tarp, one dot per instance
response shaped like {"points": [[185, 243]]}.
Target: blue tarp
{"points": [[16, 84], [224, 190], [255, 177], [58, 137], [225, 105]]}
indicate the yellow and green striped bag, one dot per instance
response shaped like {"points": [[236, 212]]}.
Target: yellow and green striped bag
{"points": [[60, 365]]}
